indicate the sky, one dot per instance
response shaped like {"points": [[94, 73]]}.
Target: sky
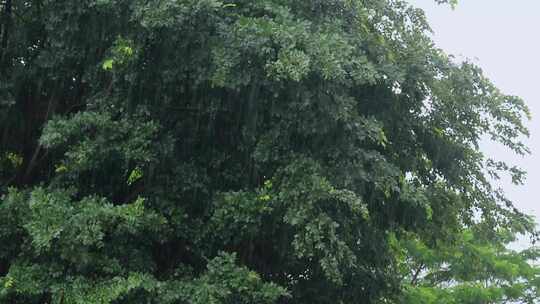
{"points": [[502, 37]]}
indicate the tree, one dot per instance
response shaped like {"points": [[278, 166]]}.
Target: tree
{"points": [[473, 268], [208, 151]]}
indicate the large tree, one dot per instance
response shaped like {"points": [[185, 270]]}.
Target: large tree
{"points": [[243, 151]]}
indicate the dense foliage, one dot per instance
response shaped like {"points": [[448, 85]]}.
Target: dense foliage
{"points": [[242, 151]]}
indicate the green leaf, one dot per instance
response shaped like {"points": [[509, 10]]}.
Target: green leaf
{"points": [[107, 64]]}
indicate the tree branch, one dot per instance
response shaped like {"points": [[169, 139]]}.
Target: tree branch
{"points": [[416, 274]]}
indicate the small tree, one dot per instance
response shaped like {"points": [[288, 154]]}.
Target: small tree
{"points": [[475, 267]]}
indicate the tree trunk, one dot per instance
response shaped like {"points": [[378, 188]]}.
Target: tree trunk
{"points": [[8, 7]]}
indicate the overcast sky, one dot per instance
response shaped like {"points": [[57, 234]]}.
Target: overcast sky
{"points": [[502, 37]]}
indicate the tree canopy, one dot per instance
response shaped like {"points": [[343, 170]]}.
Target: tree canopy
{"points": [[244, 151], [470, 269]]}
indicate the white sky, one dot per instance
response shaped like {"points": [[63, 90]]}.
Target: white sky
{"points": [[502, 37]]}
